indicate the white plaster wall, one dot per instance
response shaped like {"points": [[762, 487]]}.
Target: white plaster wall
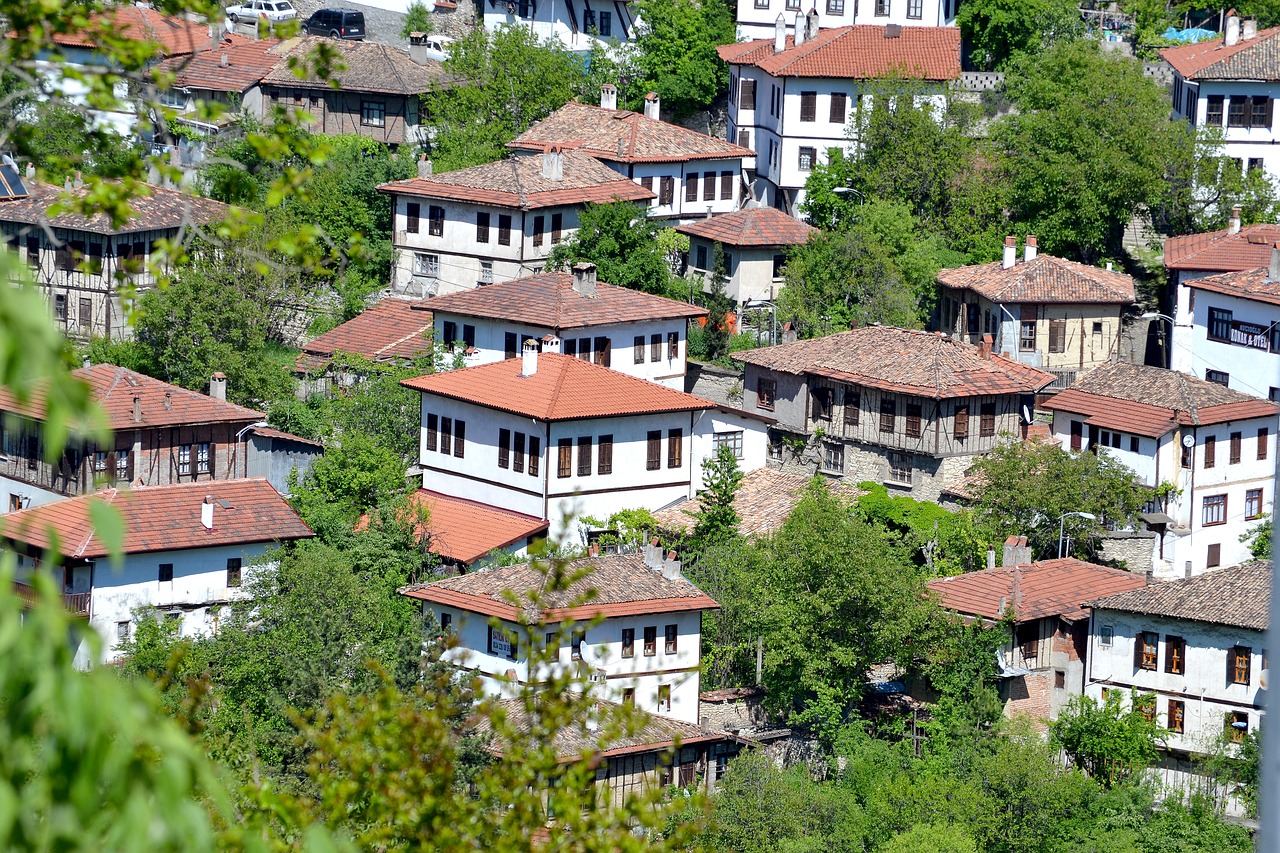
{"points": [[757, 18], [751, 277], [755, 441], [1239, 142], [29, 495], [680, 208], [551, 21], [1250, 369]]}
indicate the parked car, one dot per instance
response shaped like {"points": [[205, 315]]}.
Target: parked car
{"points": [[335, 23], [273, 10]]}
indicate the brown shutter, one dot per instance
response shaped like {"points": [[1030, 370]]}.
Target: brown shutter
{"points": [[1263, 435], [605, 454], [584, 456], [744, 138], [852, 406], [747, 95], [655, 450], [504, 448], [708, 186], [808, 106], [413, 213], [433, 428], [604, 352], [675, 447], [726, 185], [1057, 336], [837, 108], [1236, 441], [1210, 451], [668, 190], [962, 421], [691, 187], [565, 462], [459, 437], [1139, 640]]}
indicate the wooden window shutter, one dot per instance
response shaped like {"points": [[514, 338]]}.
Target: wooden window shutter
{"points": [[1235, 446], [564, 466], [808, 106], [459, 437], [605, 455], [604, 352], [433, 431], [1139, 641], [961, 429], [654, 460], [413, 214], [744, 138], [504, 448], [852, 406], [747, 95], [837, 108], [1057, 336], [1210, 451], [668, 190], [691, 186]]}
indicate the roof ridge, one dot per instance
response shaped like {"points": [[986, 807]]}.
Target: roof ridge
{"points": [[108, 496]]}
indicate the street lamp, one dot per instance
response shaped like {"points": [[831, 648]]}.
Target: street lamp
{"points": [[1062, 524], [1156, 315]]}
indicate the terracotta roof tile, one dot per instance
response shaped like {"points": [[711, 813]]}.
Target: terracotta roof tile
{"points": [[466, 531], [392, 329], [1222, 251], [1034, 590], [248, 61], [113, 388], [1239, 596], [162, 518], [763, 502], [903, 361], [1254, 284], [158, 210], [564, 388], [361, 66], [623, 136], [1257, 58], [859, 53], [752, 226], [172, 34], [1042, 279], [550, 300], [517, 182], [610, 585]]}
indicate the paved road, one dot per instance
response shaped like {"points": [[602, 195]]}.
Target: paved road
{"points": [[380, 25]]}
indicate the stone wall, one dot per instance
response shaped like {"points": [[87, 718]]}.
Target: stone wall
{"points": [[1132, 547], [861, 462]]}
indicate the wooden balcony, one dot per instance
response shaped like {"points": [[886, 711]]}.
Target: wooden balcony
{"points": [[77, 603]]}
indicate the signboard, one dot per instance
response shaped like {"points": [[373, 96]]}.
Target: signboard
{"points": [[499, 644], [1250, 334]]}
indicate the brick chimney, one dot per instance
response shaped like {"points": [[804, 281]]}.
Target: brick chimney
{"points": [[1233, 227], [984, 348], [1010, 252], [584, 279], [1031, 250]]}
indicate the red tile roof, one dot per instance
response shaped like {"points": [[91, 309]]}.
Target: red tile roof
{"points": [[1034, 590], [392, 329], [360, 66], [610, 585], [1247, 284], [1239, 596], [172, 34], [114, 388], [248, 61], [465, 531], [159, 209], [161, 518], [550, 300], [623, 136], [904, 361], [752, 226], [859, 53], [564, 388], [1222, 251], [517, 182], [1042, 279], [1257, 58]]}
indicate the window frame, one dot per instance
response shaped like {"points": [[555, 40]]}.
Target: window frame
{"points": [[1218, 324], [628, 642], [675, 447], [564, 458], [888, 414], [1175, 655], [373, 113], [1146, 650], [650, 641], [1176, 716], [670, 639], [653, 440], [235, 572], [1240, 665], [1213, 510], [1253, 504]]}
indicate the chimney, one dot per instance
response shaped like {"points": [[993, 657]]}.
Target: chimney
{"points": [[652, 555], [1273, 272], [1010, 252], [991, 557], [551, 343], [1032, 249], [224, 61], [584, 279], [609, 96], [553, 162], [206, 512], [594, 550], [137, 410], [218, 386], [79, 179], [652, 105], [418, 48], [66, 184], [168, 401], [31, 170], [529, 358], [424, 166], [1233, 31], [671, 567], [984, 348], [780, 34], [811, 24], [1249, 29], [1016, 552], [1233, 227], [800, 29]]}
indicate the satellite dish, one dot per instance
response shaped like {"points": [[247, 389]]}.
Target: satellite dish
{"points": [[1188, 440], [1026, 414], [511, 7]]}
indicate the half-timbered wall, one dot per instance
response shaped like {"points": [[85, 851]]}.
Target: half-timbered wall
{"points": [[388, 118]]}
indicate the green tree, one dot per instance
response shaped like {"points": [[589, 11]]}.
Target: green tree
{"points": [[62, 141], [716, 521], [676, 52], [931, 838], [999, 31], [943, 541], [1107, 740], [417, 19], [619, 238], [1258, 538], [714, 338], [353, 477]]}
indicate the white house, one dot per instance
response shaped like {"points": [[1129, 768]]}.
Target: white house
{"points": [[1194, 649], [577, 24], [754, 243], [1227, 329], [692, 174], [791, 97], [1231, 83], [562, 439], [1212, 446], [756, 18], [187, 551], [645, 650], [498, 221], [636, 333], [1233, 249]]}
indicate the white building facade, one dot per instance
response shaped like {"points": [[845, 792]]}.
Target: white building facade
{"points": [[576, 24], [756, 18]]}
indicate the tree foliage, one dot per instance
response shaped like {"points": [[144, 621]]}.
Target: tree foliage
{"points": [[1000, 31], [716, 521], [676, 52], [1108, 740], [620, 239]]}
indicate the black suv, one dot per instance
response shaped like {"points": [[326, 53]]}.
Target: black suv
{"points": [[336, 23]]}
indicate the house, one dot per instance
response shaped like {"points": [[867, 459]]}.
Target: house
{"points": [[1195, 651], [574, 23], [80, 263], [161, 434], [757, 18], [763, 501], [1231, 83], [644, 647], [890, 405], [493, 222], [754, 243], [1227, 328], [465, 534], [373, 91], [1058, 315], [693, 174], [592, 319], [791, 96], [1044, 662], [1234, 249], [492, 432], [1167, 427], [187, 550], [393, 331]]}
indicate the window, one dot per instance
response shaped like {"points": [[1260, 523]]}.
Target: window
{"points": [[1027, 336], [726, 184], [459, 438], [747, 94], [575, 646], [504, 448], [1214, 510], [691, 187], [654, 459], [655, 348], [1219, 324], [673, 342], [100, 462], [961, 428], [675, 447], [821, 403], [852, 407], [482, 227], [838, 106], [233, 571], [779, 263], [1060, 679], [1106, 636], [1175, 655], [606, 24], [435, 221], [446, 621], [766, 393], [1146, 648], [123, 631], [86, 312], [433, 432], [564, 464], [539, 225], [1175, 720], [1238, 660], [535, 455], [708, 186], [808, 106], [987, 420], [373, 113], [670, 638], [744, 138], [1260, 111], [60, 308], [500, 644], [1253, 504], [428, 265], [184, 460], [913, 420], [557, 227], [486, 273], [900, 469], [915, 9], [1237, 726], [1213, 111], [1210, 451], [650, 641], [1238, 111], [835, 7], [604, 351], [628, 642], [664, 698], [202, 458], [1263, 437], [833, 458], [413, 214], [446, 435], [882, 8], [166, 573], [1234, 448], [584, 456], [628, 693], [793, 5], [1133, 444], [638, 347], [1213, 556], [605, 456], [1218, 377], [888, 414], [731, 440], [666, 190], [122, 465], [807, 156], [1057, 336], [1255, 164]]}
